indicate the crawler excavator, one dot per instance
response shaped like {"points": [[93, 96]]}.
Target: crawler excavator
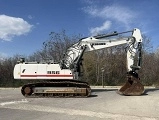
{"points": [[63, 79]]}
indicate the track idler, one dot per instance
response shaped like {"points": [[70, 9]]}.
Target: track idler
{"points": [[132, 87]]}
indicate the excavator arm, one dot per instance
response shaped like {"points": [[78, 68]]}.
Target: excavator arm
{"points": [[73, 56]]}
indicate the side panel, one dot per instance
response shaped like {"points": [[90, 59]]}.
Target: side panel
{"points": [[54, 72], [28, 71], [41, 71]]}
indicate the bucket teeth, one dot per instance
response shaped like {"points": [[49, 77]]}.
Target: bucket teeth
{"points": [[132, 87]]}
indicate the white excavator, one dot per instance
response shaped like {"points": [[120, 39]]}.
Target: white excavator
{"points": [[63, 79]]}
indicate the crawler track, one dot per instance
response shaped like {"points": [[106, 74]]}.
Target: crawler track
{"points": [[60, 88]]}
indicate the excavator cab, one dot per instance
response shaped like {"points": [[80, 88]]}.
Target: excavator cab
{"points": [[133, 86]]}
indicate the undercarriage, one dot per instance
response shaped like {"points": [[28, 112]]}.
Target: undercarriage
{"points": [[57, 88]]}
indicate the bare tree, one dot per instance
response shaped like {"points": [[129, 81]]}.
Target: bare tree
{"points": [[56, 46]]}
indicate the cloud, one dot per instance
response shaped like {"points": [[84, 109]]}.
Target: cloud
{"points": [[91, 2], [13, 26], [106, 25], [117, 14], [30, 17]]}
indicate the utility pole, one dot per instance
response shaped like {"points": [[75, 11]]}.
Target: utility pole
{"points": [[102, 69]]}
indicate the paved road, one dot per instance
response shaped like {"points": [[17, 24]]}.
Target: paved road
{"points": [[104, 104]]}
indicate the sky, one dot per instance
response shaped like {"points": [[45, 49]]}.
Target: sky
{"points": [[25, 25]]}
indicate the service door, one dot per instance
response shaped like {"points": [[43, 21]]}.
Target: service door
{"points": [[29, 71]]}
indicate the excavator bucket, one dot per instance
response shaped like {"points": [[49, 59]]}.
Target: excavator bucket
{"points": [[132, 87]]}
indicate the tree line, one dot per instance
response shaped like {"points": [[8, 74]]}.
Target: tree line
{"points": [[106, 65]]}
